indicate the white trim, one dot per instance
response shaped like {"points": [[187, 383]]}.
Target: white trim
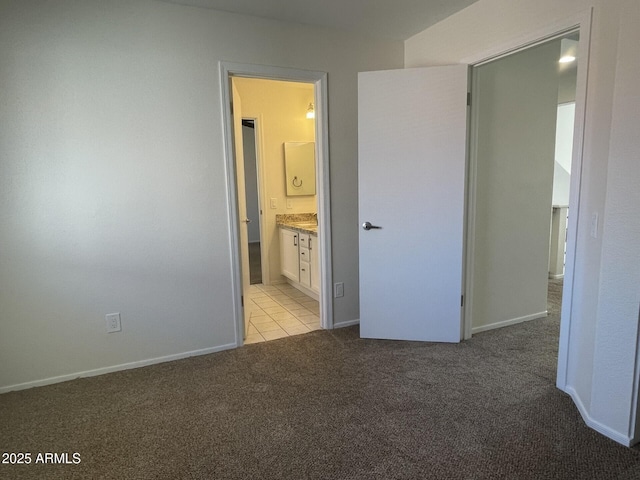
{"points": [[506, 323], [115, 368], [530, 39], [347, 323], [614, 435], [470, 211], [319, 80], [575, 187], [556, 277]]}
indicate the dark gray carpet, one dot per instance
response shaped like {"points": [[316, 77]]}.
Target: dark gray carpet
{"points": [[325, 405]]}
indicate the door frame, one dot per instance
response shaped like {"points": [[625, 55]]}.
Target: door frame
{"points": [[581, 23], [319, 80]]}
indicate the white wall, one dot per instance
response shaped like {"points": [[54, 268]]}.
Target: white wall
{"points": [[113, 185], [281, 108], [603, 337], [514, 185], [619, 295], [563, 152]]}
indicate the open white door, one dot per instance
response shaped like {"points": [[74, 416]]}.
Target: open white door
{"points": [[242, 199], [412, 134]]}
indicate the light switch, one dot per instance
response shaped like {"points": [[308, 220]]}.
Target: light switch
{"points": [[274, 202]]}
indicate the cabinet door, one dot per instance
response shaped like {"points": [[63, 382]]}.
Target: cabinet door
{"points": [[314, 263], [305, 273], [289, 260]]}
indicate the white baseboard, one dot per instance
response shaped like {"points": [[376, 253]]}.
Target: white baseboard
{"points": [[114, 368], [597, 426], [556, 276], [506, 323], [348, 323]]}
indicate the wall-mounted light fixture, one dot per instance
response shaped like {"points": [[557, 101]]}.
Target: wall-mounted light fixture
{"points": [[311, 112], [568, 50]]}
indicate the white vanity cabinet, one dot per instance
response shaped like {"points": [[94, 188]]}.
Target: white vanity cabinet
{"points": [[289, 257], [305, 260], [299, 260]]}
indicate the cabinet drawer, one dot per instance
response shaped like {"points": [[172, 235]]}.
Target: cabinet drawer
{"points": [[305, 274], [303, 238], [304, 254]]}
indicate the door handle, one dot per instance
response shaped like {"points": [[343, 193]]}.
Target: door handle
{"points": [[368, 226], [246, 220]]}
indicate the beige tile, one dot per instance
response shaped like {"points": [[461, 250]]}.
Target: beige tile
{"points": [[294, 292], [266, 302], [254, 310], [308, 303], [285, 287], [278, 296], [261, 319], [298, 309], [256, 294], [281, 315], [270, 310], [288, 301], [252, 330], [290, 322], [256, 338], [313, 326], [269, 289], [267, 327], [296, 330], [309, 319], [275, 334]]}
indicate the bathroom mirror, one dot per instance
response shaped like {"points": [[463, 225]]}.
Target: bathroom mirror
{"points": [[300, 168]]}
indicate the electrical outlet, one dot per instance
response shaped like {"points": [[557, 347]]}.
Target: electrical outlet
{"points": [[289, 203], [113, 322], [338, 289]]}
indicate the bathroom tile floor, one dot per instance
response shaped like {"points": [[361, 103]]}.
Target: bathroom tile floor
{"points": [[277, 311]]}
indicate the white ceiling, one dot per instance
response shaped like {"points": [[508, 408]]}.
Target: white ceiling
{"points": [[396, 19]]}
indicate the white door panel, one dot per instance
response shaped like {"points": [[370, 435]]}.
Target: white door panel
{"points": [[242, 199], [412, 160]]}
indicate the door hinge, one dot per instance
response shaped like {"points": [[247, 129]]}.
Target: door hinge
{"points": [[462, 300], [242, 300], [469, 98]]}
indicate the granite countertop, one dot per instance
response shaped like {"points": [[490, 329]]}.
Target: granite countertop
{"points": [[300, 222]]}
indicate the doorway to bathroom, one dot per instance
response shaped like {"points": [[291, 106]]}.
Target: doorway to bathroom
{"points": [[268, 108]]}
